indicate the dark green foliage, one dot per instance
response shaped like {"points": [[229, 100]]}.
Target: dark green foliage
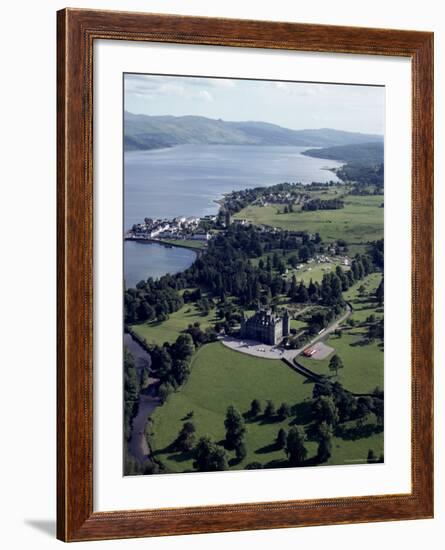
{"points": [[324, 449], [320, 204], [186, 438], [370, 153], [335, 364], [131, 392], [235, 428], [281, 438], [283, 411], [269, 411], [209, 457], [240, 451], [183, 347], [380, 292], [255, 408], [326, 410], [295, 448], [372, 458]]}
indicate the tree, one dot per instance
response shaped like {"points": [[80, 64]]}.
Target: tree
{"points": [[301, 296], [209, 457], [293, 287], [164, 391], [235, 427], [324, 450], [372, 458], [240, 451], [269, 411], [186, 438], [379, 293], [181, 371], [255, 408], [324, 442], [281, 438], [335, 363], [326, 410], [145, 378], [283, 411], [379, 410], [304, 254], [362, 291], [295, 448], [131, 380], [184, 347]]}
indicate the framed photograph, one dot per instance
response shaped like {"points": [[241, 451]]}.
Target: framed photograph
{"points": [[245, 230]]}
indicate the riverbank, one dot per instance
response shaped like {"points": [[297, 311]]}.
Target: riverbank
{"points": [[138, 444]]}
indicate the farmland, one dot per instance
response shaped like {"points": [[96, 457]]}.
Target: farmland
{"points": [[221, 377], [360, 220]]}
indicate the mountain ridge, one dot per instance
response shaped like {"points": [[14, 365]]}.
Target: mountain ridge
{"points": [[144, 132]]}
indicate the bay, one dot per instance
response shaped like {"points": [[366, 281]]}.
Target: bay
{"points": [[187, 180]]}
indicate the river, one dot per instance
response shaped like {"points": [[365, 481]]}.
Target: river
{"points": [[148, 401]]}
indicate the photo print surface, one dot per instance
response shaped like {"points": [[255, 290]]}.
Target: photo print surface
{"points": [[253, 239]]}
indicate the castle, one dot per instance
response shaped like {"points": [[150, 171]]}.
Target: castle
{"points": [[265, 327]]}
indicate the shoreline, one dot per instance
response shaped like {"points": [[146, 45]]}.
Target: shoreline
{"points": [[165, 243]]}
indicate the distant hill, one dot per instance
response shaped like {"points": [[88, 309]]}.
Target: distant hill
{"points": [[358, 153], [154, 132]]}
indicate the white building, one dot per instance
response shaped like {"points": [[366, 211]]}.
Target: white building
{"points": [[201, 237]]}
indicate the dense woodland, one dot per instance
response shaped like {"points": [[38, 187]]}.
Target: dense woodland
{"points": [[323, 204], [228, 269]]}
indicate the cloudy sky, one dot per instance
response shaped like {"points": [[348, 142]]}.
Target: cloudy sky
{"points": [[293, 105]]}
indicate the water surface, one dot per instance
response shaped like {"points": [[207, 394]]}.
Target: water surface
{"points": [[187, 180]]}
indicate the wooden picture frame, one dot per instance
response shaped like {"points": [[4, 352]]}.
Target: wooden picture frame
{"points": [[77, 31]]}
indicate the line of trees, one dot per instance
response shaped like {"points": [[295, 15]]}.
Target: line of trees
{"points": [[323, 204]]}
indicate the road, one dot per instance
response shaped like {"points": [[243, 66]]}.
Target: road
{"points": [[292, 353]]}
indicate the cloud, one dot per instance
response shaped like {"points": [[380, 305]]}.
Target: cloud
{"points": [[205, 95], [152, 86], [300, 89]]}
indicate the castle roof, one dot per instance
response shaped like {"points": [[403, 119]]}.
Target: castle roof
{"points": [[264, 318]]}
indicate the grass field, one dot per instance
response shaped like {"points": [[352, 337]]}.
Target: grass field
{"points": [[313, 271], [221, 377], [361, 219], [169, 330], [188, 243], [363, 364]]}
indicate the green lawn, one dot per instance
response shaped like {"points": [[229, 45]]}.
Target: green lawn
{"points": [[188, 243], [364, 306], [221, 377], [169, 330], [361, 219], [363, 364], [314, 271]]}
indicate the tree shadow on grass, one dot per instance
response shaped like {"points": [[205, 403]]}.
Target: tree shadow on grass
{"points": [[268, 449], [354, 433], [302, 412], [360, 343], [181, 456], [270, 420], [277, 463], [170, 448]]}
